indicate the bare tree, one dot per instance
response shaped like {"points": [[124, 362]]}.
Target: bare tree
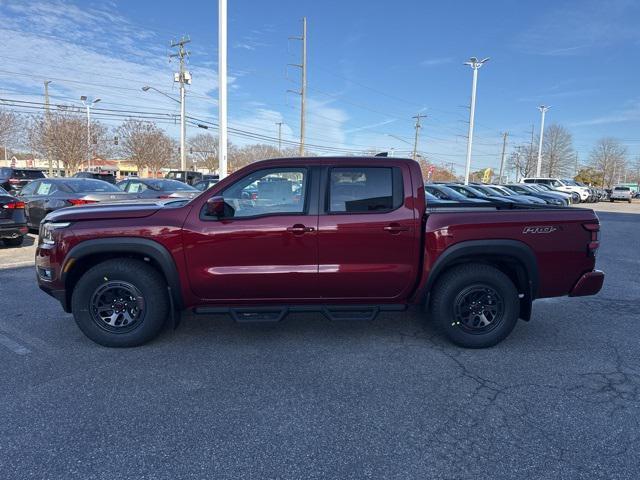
{"points": [[523, 161], [240, 157], [146, 145], [64, 138], [557, 151], [204, 149], [9, 122], [610, 158]]}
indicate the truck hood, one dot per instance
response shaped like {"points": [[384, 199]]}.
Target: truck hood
{"points": [[111, 210]]}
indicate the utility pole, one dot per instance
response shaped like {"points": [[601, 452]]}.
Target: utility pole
{"points": [[279, 124], [222, 89], [475, 64], [47, 122], [184, 78], [543, 109], [576, 167], [504, 149], [303, 83], [415, 140]]}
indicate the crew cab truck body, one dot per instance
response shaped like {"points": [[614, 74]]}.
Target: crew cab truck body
{"points": [[347, 236]]}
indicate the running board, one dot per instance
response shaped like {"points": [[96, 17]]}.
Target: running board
{"points": [[275, 313]]}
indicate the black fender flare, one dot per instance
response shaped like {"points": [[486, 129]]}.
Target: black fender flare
{"points": [[490, 248], [140, 246]]}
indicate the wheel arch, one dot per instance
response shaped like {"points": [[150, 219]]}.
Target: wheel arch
{"points": [[512, 257], [91, 252]]}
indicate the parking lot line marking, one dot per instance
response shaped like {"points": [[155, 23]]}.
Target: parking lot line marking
{"points": [[15, 347]]}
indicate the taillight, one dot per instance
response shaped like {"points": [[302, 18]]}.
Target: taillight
{"points": [[14, 181], [594, 241], [13, 205], [80, 201], [164, 196]]}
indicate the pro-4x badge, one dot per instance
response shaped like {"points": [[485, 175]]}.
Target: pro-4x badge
{"points": [[542, 229]]}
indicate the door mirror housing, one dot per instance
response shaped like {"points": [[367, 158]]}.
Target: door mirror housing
{"points": [[215, 207]]}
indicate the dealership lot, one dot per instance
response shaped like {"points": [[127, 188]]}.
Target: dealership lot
{"points": [[309, 398]]}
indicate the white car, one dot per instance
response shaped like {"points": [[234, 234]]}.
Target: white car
{"points": [[562, 184], [620, 192]]}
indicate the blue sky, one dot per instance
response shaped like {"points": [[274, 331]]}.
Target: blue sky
{"points": [[372, 66]]}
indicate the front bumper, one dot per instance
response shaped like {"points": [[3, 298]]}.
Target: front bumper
{"points": [[589, 284]]}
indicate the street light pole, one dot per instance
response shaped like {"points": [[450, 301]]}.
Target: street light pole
{"points": [[222, 88], [88, 105], [543, 109], [475, 64]]}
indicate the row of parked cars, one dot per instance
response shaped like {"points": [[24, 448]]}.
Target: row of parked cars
{"points": [[27, 195], [530, 191]]}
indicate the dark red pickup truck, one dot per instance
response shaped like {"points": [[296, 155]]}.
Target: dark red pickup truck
{"points": [[349, 237]]}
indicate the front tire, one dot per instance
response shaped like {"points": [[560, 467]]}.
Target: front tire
{"points": [[120, 303], [475, 306]]}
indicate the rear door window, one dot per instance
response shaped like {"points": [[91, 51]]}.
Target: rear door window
{"points": [[46, 188], [364, 189]]}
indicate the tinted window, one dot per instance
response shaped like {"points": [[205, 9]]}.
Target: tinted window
{"points": [[28, 174], [46, 188], [29, 188], [135, 187], [168, 185], [272, 191], [5, 172], [364, 189], [623, 189], [88, 185]]}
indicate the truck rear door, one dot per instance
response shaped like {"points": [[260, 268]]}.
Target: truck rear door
{"points": [[368, 233]]}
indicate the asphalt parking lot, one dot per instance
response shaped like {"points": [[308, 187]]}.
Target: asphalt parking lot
{"points": [[308, 398]]}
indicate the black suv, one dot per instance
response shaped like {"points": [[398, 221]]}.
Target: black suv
{"points": [[13, 179]]}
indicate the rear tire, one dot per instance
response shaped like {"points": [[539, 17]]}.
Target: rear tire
{"points": [[13, 242], [475, 306], [120, 303]]}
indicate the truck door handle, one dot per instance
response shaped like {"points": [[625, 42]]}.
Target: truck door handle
{"points": [[394, 228], [299, 229]]}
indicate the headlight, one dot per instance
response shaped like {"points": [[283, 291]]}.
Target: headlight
{"points": [[46, 231]]}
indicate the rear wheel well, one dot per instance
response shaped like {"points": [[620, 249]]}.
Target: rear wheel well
{"points": [[83, 264], [510, 266]]}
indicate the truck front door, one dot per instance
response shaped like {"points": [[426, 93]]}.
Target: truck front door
{"points": [[265, 247]]}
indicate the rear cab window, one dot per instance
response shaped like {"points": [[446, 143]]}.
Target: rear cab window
{"points": [[364, 189]]}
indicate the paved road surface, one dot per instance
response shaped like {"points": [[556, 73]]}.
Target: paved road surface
{"points": [[309, 398]]}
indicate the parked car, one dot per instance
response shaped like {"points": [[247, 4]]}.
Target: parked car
{"points": [[470, 192], [203, 185], [445, 193], [497, 193], [510, 193], [564, 185], [433, 201], [356, 240], [186, 176], [621, 192], [13, 224], [571, 197], [528, 190], [157, 188], [105, 176], [42, 197], [13, 179]]}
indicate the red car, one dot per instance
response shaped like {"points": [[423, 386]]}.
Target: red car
{"points": [[349, 237]]}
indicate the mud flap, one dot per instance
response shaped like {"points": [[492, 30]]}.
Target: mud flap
{"points": [[174, 315]]}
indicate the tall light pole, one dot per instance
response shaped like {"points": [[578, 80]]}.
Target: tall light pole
{"points": [[88, 104], [279, 124], [475, 64], [543, 109], [222, 88]]}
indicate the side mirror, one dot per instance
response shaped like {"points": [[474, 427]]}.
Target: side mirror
{"points": [[215, 207]]}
